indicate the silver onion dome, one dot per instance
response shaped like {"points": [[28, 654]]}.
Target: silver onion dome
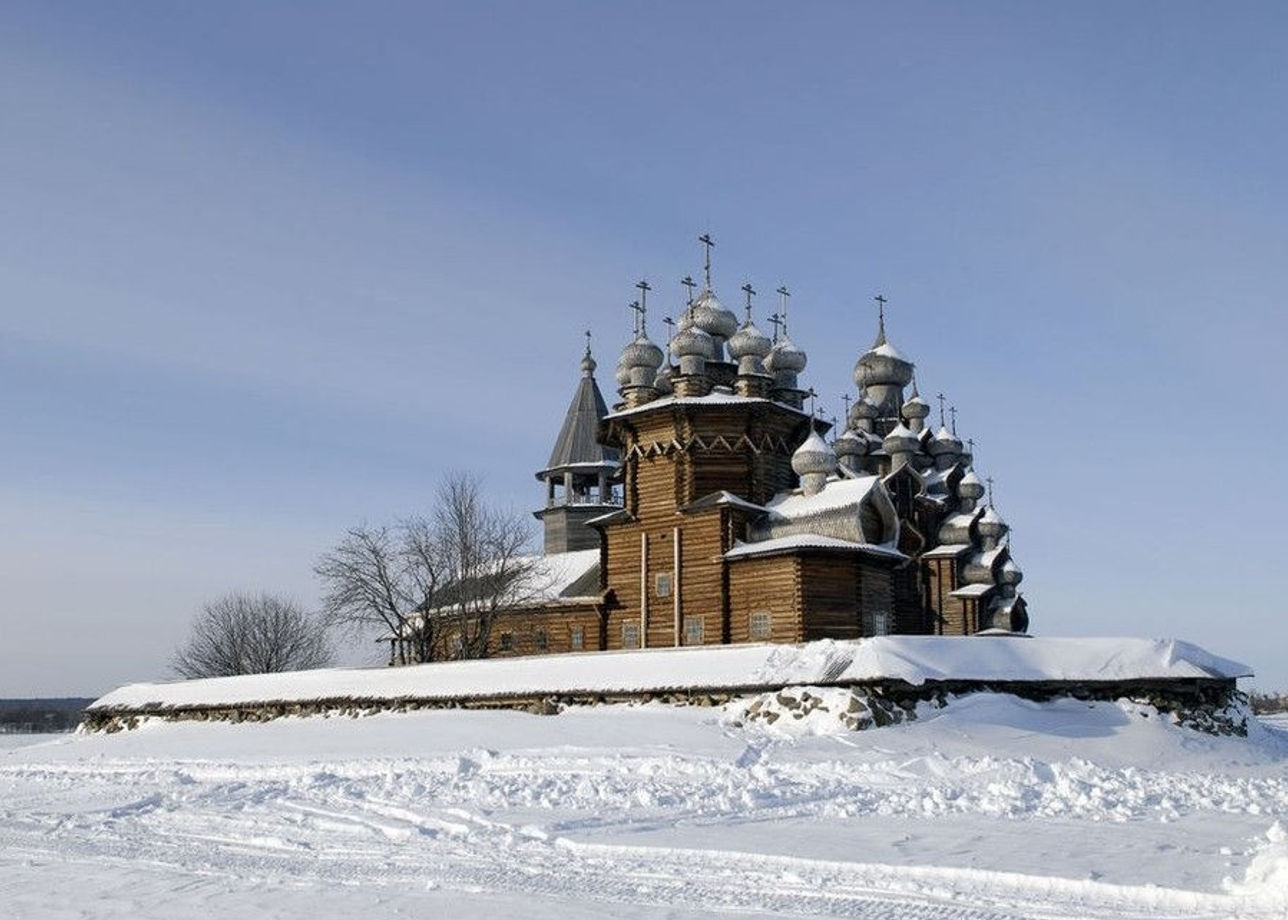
{"points": [[916, 407], [711, 317], [863, 412], [971, 487], [991, 525], [641, 359], [814, 457], [1010, 573], [785, 356], [901, 439], [749, 341], [662, 382], [945, 442], [882, 365], [692, 341], [850, 444]]}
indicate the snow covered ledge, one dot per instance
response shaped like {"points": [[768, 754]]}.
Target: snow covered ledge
{"points": [[1169, 673]]}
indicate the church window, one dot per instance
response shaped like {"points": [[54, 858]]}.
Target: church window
{"points": [[694, 629], [630, 635], [506, 642], [761, 625], [577, 638], [880, 623], [662, 584], [539, 639]]}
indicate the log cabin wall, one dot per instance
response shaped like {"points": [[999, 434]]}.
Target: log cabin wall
{"points": [[830, 596], [765, 600]]}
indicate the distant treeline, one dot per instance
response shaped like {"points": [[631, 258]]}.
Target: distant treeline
{"points": [[52, 715], [1268, 703]]}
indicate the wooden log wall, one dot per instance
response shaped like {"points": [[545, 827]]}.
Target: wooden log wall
{"points": [[830, 589], [769, 584]]}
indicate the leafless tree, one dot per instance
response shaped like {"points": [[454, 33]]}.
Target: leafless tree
{"points": [[432, 584], [248, 634], [482, 555]]}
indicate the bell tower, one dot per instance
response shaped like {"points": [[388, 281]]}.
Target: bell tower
{"points": [[579, 475]]}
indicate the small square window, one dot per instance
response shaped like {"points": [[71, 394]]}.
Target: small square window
{"points": [[540, 641], [761, 625], [880, 623], [577, 638], [694, 630], [662, 584], [630, 635], [506, 642]]}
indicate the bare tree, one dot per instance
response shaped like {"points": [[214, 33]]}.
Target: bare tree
{"points": [[482, 556], [384, 577], [247, 634], [435, 583]]}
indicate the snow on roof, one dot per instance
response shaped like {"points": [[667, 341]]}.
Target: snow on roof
{"points": [[946, 551], [711, 399], [915, 659], [836, 493], [807, 541], [972, 590], [717, 499], [554, 573], [889, 351]]}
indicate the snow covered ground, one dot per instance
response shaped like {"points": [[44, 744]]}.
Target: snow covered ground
{"points": [[993, 807]]}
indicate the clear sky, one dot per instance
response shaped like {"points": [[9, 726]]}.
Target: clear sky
{"points": [[269, 270]]}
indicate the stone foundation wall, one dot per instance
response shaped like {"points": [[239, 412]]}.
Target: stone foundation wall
{"points": [[1211, 705]]}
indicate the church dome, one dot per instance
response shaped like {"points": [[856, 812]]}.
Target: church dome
{"points": [[662, 382], [850, 444], [916, 407], [1010, 573], [749, 341], [814, 457], [711, 317], [971, 487], [785, 356], [945, 442], [991, 524], [901, 439], [863, 410], [882, 365], [641, 359], [692, 341], [622, 373]]}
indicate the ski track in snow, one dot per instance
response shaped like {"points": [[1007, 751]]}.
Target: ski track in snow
{"points": [[526, 822]]}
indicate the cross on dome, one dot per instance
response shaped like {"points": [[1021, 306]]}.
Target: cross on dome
{"points": [[750, 292], [689, 283], [707, 243]]}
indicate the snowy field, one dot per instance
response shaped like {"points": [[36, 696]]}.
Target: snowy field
{"points": [[990, 808]]}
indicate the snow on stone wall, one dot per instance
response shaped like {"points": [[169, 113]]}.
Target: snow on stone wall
{"points": [[912, 659]]}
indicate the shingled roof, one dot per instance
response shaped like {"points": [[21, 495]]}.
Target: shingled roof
{"points": [[577, 444]]}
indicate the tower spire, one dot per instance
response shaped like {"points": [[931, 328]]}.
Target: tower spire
{"points": [[707, 243], [750, 292]]}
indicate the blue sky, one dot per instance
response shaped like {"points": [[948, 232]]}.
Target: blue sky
{"points": [[269, 270]]}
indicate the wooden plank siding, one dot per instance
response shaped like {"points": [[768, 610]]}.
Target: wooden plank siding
{"points": [[765, 585]]}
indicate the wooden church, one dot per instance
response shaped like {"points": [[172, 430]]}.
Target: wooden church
{"points": [[709, 507]]}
